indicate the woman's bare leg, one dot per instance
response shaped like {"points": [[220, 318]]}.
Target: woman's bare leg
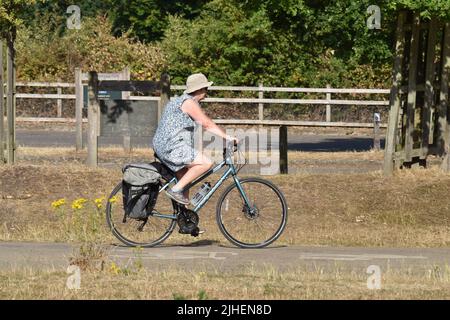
{"points": [[179, 174], [200, 165]]}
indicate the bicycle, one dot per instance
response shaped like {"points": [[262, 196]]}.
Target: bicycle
{"points": [[242, 220]]}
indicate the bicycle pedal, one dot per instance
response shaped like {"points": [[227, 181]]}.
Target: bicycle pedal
{"points": [[196, 232]]}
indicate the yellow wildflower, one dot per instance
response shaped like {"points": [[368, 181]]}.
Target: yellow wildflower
{"points": [[78, 204], [99, 202], [58, 203], [114, 268], [113, 199]]}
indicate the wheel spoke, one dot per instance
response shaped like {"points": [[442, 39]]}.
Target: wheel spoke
{"points": [[252, 229], [154, 231]]}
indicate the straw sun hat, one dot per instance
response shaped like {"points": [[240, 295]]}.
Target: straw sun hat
{"points": [[196, 82]]}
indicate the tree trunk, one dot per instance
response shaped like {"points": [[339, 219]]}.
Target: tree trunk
{"points": [[11, 102]]}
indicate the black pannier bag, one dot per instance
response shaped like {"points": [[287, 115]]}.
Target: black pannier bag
{"points": [[140, 187]]}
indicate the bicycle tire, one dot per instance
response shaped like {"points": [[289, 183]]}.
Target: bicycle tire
{"points": [[120, 234], [231, 235]]}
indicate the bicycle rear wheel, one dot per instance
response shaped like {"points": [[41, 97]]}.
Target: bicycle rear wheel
{"points": [[134, 232], [257, 226]]}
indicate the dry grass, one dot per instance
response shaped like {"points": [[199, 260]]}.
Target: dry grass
{"points": [[115, 282], [65, 154], [410, 209]]}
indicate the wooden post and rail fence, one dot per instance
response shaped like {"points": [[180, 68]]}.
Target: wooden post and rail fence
{"points": [[419, 121], [327, 101]]}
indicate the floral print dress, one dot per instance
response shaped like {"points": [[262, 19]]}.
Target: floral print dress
{"points": [[173, 141]]}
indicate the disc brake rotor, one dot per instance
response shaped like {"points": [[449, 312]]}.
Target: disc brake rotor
{"points": [[250, 213]]}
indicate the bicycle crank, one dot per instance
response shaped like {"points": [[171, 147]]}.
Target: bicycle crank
{"points": [[188, 222]]}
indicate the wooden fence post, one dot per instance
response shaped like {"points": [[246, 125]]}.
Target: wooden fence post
{"points": [[328, 111], [59, 102], [11, 103], [376, 131], [127, 143], [260, 105], [444, 120], [391, 133], [283, 150], [78, 110], [412, 88], [429, 86], [2, 111], [442, 108], [125, 75], [165, 93], [93, 115]]}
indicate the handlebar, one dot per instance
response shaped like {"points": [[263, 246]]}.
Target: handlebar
{"points": [[230, 147]]}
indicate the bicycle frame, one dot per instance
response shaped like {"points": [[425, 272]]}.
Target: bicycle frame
{"points": [[230, 171]]}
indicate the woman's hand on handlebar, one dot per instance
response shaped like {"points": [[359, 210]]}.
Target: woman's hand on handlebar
{"points": [[232, 142], [234, 139]]}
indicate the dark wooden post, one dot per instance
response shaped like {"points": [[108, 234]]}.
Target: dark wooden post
{"points": [[78, 110], [429, 86], [93, 119], [443, 96], [283, 150], [444, 119], [125, 75], [165, 93], [412, 86], [376, 131]]}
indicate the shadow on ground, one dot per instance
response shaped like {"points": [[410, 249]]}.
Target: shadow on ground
{"points": [[334, 144]]}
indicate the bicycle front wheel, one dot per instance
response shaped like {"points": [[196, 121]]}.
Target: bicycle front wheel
{"points": [[139, 233], [258, 225]]}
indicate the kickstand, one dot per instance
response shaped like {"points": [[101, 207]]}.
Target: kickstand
{"points": [[141, 227]]}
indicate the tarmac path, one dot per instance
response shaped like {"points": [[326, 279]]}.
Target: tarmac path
{"points": [[298, 142], [206, 255]]}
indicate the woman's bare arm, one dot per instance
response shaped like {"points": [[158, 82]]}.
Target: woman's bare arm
{"points": [[195, 112]]}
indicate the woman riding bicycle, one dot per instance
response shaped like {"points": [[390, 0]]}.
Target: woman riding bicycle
{"points": [[173, 142]]}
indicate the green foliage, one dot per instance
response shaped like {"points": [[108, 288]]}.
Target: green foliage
{"points": [[229, 45], [280, 43], [147, 20], [236, 42], [42, 54], [55, 12], [11, 16], [427, 8]]}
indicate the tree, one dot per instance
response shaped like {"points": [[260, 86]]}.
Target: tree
{"points": [[55, 15], [427, 8], [10, 12], [227, 44], [284, 42], [148, 19]]}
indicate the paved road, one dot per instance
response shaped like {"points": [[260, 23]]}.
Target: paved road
{"points": [[206, 255], [329, 143]]}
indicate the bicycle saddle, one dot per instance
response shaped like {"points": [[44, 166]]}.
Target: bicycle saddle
{"points": [[165, 171]]}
